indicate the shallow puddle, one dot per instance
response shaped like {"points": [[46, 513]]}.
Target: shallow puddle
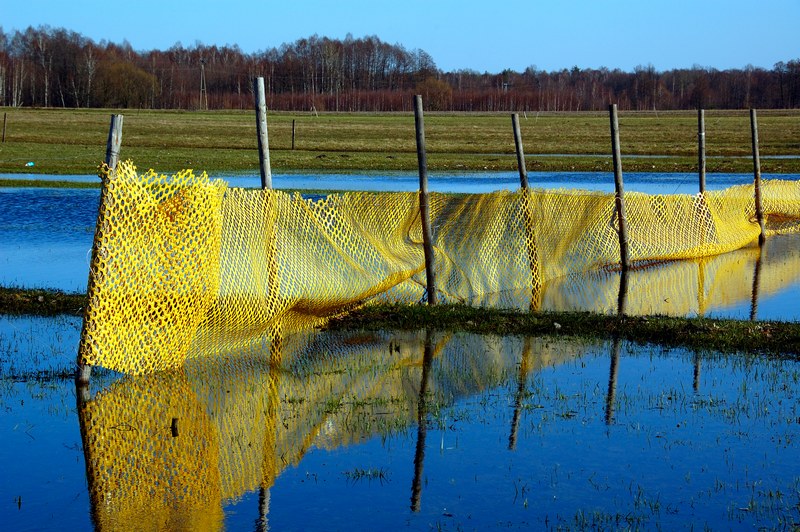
{"points": [[352, 430]]}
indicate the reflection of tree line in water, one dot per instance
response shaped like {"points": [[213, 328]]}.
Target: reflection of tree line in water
{"points": [[175, 447]]}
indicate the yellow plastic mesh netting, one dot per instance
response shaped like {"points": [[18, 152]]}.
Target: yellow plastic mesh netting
{"points": [[183, 266]]}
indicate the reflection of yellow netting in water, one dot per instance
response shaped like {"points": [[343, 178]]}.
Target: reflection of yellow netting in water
{"points": [[183, 267], [142, 476], [244, 418]]}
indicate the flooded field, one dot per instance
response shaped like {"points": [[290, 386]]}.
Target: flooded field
{"points": [[357, 431], [416, 430]]}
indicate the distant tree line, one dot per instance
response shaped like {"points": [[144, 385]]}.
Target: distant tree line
{"points": [[55, 67]]}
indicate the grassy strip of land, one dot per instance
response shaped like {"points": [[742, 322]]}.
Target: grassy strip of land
{"points": [[73, 141], [780, 338], [40, 302], [35, 183]]}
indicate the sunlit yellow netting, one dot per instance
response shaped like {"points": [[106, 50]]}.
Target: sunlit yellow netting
{"points": [[183, 266]]}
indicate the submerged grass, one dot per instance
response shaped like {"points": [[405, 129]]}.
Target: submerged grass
{"points": [[769, 337]]}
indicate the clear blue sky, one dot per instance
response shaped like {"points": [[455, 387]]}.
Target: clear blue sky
{"points": [[481, 35]]}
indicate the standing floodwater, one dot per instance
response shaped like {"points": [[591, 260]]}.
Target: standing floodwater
{"points": [[322, 429]]}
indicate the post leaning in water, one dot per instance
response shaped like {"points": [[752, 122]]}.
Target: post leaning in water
{"points": [[619, 196], [424, 208], [757, 176], [113, 144]]}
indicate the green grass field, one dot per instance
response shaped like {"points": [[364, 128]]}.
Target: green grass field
{"points": [[66, 141]]}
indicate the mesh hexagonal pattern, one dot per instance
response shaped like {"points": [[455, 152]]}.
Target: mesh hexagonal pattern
{"points": [[183, 266]]}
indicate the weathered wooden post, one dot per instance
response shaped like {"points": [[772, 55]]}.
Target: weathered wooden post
{"points": [[533, 257], [114, 142], [622, 295], [757, 176], [424, 208], [619, 194], [5, 119], [261, 129], [84, 371], [293, 131], [523, 171], [701, 148]]}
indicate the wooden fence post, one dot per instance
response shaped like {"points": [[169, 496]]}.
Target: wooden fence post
{"points": [[84, 371], [424, 209], [5, 119], [701, 148], [114, 142], [293, 130], [261, 130], [523, 171], [533, 254], [757, 176], [619, 194]]}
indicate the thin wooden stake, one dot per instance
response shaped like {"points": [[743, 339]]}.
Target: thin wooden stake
{"points": [[5, 119], [424, 210], [757, 176], [701, 149], [619, 194], [261, 130], [523, 171], [293, 130], [533, 254], [84, 371]]}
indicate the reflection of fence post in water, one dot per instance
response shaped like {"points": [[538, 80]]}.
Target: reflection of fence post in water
{"points": [[422, 429], [696, 379], [757, 176], [82, 398], [113, 144], [522, 379], [611, 397], [756, 283], [619, 195], [269, 467], [530, 238], [424, 208]]}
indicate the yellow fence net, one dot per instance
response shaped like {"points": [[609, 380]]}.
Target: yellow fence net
{"points": [[182, 265]]}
